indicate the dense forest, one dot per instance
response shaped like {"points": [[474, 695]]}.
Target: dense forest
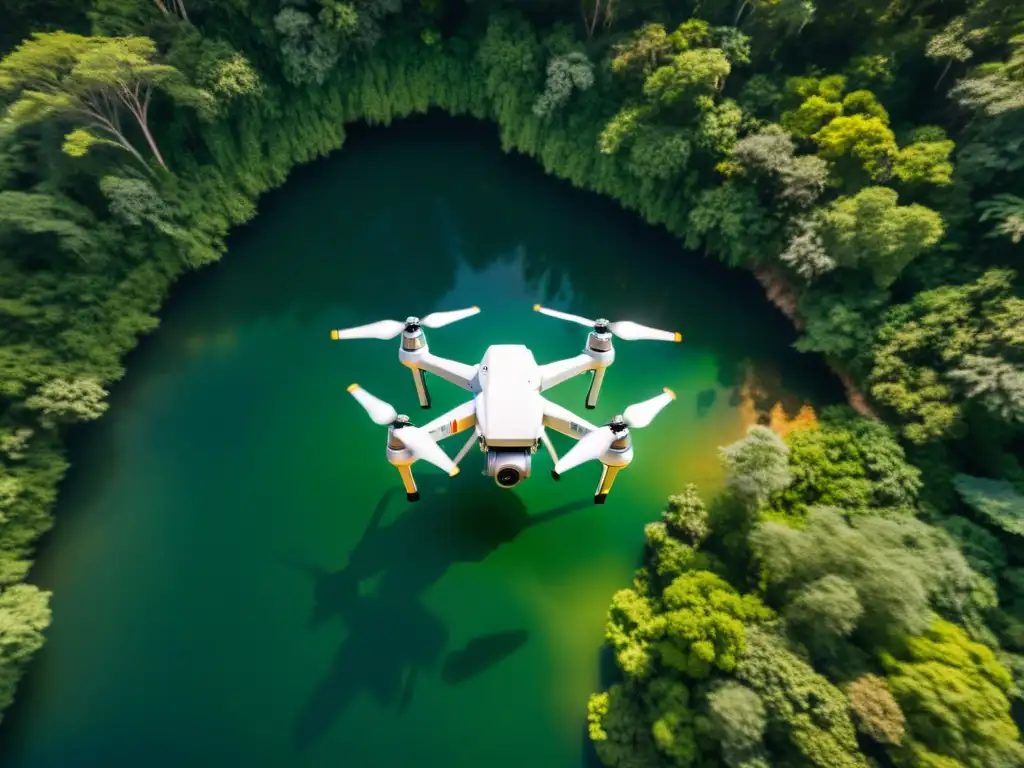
{"points": [[855, 594]]}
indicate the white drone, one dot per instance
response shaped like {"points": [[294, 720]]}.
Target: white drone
{"points": [[507, 415]]}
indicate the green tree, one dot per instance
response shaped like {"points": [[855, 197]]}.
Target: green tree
{"points": [[24, 614], [686, 516], [825, 610], [634, 727], [893, 599], [803, 708], [953, 693], [699, 627], [690, 73], [92, 82], [770, 152], [36, 213], [309, 51], [849, 462], [951, 44], [997, 501], [870, 229], [668, 557], [922, 342], [644, 51], [925, 162], [1008, 212]]}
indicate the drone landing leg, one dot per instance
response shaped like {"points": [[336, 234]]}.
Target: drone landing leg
{"points": [[411, 493], [605, 485], [421, 387], [595, 388], [551, 452]]}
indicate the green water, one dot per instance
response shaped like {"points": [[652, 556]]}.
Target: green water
{"points": [[238, 579]]}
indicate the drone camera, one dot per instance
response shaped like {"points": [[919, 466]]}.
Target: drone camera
{"points": [[509, 467]]}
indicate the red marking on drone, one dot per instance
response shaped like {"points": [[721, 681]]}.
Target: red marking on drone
{"points": [[454, 426]]}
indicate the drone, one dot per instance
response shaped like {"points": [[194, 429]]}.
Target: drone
{"points": [[508, 416]]}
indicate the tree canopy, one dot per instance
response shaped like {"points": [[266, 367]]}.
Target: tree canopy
{"points": [[853, 594]]}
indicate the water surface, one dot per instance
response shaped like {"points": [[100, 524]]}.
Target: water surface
{"points": [[238, 579]]}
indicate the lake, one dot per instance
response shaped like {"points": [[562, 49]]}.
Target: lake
{"points": [[238, 578]]}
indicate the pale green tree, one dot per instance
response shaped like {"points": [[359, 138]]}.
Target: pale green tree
{"points": [[571, 71], [92, 83], [757, 465], [951, 44], [738, 721], [62, 401]]}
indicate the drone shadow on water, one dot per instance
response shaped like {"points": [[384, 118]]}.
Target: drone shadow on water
{"points": [[391, 637]]}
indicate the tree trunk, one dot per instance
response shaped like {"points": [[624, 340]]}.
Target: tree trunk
{"points": [[743, 6], [124, 144], [144, 124], [949, 63], [105, 120], [590, 22], [140, 111]]}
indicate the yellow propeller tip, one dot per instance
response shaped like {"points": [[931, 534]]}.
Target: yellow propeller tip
{"points": [[476, 308], [679, 336], [536, 307], [454, 472], [353, 387], [670, 393], [334, 335]]}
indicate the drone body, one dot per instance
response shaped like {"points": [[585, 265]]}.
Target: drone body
{"points": [[508, 415]]}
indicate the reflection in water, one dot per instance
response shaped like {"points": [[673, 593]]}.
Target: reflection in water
{"points": [[391, 636], [762, 399]]}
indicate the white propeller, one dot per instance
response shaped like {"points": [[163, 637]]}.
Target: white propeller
{"points": [[623, 329], [389, 329], [420, 443], [593, 444]]}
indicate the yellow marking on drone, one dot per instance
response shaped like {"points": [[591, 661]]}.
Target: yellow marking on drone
{"points": [[679, 336], [536, 307], [670, 393], [353, 387], [334, 335]]}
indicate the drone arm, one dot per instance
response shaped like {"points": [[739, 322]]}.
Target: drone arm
{"points": [[563, 370], [458, 419], [459, 374], [565, 421]]}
